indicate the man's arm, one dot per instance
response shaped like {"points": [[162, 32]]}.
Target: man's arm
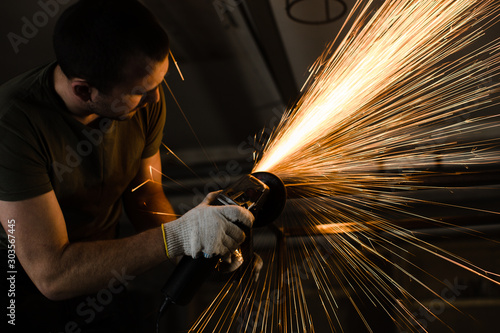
{"points": [[144, 200], [61, 269]]}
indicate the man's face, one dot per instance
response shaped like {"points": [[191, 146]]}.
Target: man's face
{"points": [[144, 77]]}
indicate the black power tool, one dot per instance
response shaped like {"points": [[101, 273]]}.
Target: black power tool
{"points": [[264, 195]]}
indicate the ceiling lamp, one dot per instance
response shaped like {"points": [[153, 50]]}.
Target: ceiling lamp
{"points": [[315, 11]]}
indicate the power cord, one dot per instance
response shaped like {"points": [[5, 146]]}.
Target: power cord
{"points": [[166, 303]]}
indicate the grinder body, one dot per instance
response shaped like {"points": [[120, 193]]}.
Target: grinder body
{"points": [[264, 195]]}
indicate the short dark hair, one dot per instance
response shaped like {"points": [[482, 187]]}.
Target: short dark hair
{"points": [[95, 39]]}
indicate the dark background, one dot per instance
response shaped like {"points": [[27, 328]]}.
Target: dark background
{"points": [[243, 63]]}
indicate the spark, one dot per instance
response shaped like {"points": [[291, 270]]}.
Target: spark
{"points": [[181, 161], [392, 100], [161, 213], [189, 125], [177, 66], [141, 185]]}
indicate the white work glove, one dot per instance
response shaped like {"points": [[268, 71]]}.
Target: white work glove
{"points": [[207, 229]]}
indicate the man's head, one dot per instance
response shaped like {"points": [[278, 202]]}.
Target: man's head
{"points": [[114, 52]]}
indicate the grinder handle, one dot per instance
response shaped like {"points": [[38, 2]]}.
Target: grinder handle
{"points": [[187, 278], [190, 273]]}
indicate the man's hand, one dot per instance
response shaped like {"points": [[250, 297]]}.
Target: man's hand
{"points": [[207, 229]]}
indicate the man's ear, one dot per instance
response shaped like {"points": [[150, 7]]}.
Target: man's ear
{"points": [[82, 90]]}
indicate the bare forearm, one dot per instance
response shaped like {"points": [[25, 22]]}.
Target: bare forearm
{"points": [[149, 211], [87, 267]]}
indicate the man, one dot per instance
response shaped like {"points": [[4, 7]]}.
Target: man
{"points": [[76, 136]]}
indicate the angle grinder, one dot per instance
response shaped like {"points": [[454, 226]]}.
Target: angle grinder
{"points": [[264, 195]]}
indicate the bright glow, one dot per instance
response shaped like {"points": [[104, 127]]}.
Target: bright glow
{"points": [[395, 98], [382, 86]]}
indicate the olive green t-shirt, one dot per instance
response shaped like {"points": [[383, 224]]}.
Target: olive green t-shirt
{"points": [[44, 148]]}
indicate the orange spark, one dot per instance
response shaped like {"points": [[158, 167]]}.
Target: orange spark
{"points": [[395, 96]]}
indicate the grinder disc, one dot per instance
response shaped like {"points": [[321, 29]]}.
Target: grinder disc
{"points": [[275, 201]]}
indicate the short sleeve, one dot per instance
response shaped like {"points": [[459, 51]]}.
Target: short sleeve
{"points": [[155, 124], [23, 170]]}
